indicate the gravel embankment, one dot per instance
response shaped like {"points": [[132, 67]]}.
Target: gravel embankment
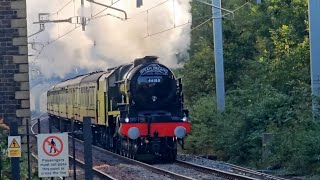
{"points": [[204, 162], [188, 172]]}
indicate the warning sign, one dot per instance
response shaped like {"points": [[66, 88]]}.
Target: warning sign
{"points": [[53, 159], [14, 146]]}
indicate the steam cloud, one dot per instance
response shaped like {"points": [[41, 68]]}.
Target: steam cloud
{"points": [[107, 41]]}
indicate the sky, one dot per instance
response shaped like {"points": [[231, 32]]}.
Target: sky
{"points": [[159, 27]]}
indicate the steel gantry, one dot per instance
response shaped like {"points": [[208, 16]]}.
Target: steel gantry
{"points": [[314, 30]]}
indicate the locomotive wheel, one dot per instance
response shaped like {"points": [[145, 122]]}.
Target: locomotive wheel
{"points": [[126, 148], [103, 139], [94, 137], [123, 148], [172, 155], [110, 143], [114, 146], [117, 147], [132, 154], [128, 151], [121, 152], [107, 139], [132, 151]]}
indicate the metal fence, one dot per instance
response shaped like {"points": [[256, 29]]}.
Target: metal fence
{"points": [[31, 142]]}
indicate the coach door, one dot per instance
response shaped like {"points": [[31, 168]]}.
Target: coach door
{"points": [[76, 103], [66, 92], [73, 101]]}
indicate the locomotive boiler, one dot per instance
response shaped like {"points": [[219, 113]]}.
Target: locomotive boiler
{"points": [[136, 109]]}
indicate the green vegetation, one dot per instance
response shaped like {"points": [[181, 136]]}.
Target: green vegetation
{"points": [[4, 155], [267, 79], [6, 162]]}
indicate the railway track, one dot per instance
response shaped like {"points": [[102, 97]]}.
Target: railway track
{"points": [[102, 172], [148, 167], [246, 171], [237, 172], [96, 172]]}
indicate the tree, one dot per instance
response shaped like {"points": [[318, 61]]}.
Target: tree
{"points": [[267, 76]]}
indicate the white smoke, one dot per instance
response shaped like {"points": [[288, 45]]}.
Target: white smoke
{"points": [[38, 97], [107, 41]]}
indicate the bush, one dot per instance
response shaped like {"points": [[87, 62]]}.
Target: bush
{"points": [[236, 134], [6, 168], [207, 125], [297, 149]]}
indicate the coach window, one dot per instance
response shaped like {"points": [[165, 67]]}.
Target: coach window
{"points": [[81, 96], [67, 97], [91, 96], [56, 98], [87, 97], [60, 97], [75, 98], [63, 97]]}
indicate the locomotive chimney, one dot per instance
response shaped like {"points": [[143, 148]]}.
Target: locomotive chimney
{"points": [[145, 60]]}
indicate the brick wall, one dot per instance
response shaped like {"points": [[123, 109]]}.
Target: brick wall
{"points": [[14, 78]]}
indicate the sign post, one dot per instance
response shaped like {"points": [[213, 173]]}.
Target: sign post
{"points": [[53, 159], [15, 161]]}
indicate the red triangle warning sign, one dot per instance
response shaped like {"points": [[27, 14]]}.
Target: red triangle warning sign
{"points": [[14, 144]]}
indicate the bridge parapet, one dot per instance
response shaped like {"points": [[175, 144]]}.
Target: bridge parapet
{"points": [[14, 68]]}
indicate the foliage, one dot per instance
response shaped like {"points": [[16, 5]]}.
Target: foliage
{"points": [[267, 79], [6, 163], [198, 79], [297, 149], [5, 160], [207, 124]]}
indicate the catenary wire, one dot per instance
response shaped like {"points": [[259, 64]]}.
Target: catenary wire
{"points": [[133, 16], [201, 24], [76, 27], [157, 5], [63, 7]]}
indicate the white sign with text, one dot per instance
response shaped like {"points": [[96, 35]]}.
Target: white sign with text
{"points": [[53, 155]]}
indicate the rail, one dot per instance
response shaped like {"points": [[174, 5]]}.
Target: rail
{"points": [[216, 172], [141, 164]]}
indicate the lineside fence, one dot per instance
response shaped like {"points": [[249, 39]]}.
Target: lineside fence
{"points": [[46, 151]]}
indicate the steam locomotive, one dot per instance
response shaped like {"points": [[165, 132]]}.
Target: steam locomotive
{"points": [[136, 109]]}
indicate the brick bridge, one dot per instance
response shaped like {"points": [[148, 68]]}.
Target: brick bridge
{"points": [[14, 68]]}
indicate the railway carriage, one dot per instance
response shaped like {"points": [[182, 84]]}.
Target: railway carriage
{"points": [[136, 109]]}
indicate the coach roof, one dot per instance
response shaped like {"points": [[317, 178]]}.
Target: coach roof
{"points": [[92, 77], [69, 82]]}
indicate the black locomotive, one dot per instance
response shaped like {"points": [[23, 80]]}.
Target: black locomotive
{"points": [[136, 109]]}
